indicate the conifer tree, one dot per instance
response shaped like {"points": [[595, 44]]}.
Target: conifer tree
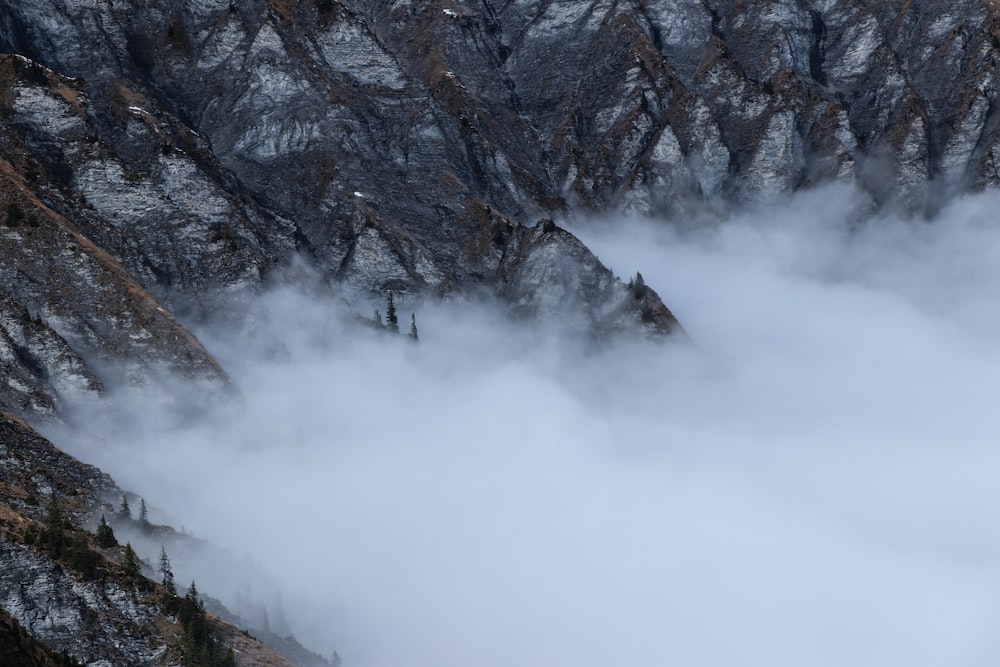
{"points": [[413, 326], [189, 605], [378, 318], [144, 515], [133, 568], [197, 639], [390, 313], [166, 570], [125, 512], [169, 600], [105, 536], [80, 556], [201, 647], [54, 536]]}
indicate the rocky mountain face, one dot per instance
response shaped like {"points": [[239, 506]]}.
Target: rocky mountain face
{"points": [[18, 648], [182, 153], [89, 609], [159, 159]]}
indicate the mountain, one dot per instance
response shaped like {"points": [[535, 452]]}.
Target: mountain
{"points": [[72, 599], [162, 161]]}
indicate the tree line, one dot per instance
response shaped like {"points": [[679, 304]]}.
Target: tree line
{"points": [[200, 647]]}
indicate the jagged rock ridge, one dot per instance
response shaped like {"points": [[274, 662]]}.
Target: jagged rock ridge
{"points": [[203, 144]]}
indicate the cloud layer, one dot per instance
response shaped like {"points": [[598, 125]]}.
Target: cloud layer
{"points": [[812, 483]]}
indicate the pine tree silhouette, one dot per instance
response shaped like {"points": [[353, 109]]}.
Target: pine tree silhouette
{"points": [[638, 286], [390, 313], [144, 515], [169, 601]]}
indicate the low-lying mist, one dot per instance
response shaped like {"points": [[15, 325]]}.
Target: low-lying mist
{"points": [[813, 482]]}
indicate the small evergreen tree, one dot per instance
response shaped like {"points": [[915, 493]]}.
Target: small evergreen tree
{"points": [[378, 318], [80, 556], [637, 286], [167, 571], [168, 602], [133, 568], [390, 313], [105, 536], [144, 515], [54, 537], [200, 645], [124, 512], [189, 605], [196, 631], [413, 326]]}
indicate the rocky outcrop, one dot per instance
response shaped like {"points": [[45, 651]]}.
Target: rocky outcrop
{"points": [[98, 621], [38, 365], [18, 648], [115, 215], [212, 142], [101, 615], [69, 312], [204, 144], [33, 470]]}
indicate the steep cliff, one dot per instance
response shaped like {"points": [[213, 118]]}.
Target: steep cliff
{"points": [[81, 601], [194, 148], [18, 648], [202, 145], [300, 133]]}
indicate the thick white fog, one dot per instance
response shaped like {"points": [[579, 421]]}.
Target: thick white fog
{"points": [[815, 483]]}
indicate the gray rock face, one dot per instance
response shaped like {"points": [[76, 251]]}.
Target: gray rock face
{"points": [[216, 139], [38, 365], [207, 142], [100, 617], [32, 470], [69, 312], [99, 620], [96, 619], [225, 137]]}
